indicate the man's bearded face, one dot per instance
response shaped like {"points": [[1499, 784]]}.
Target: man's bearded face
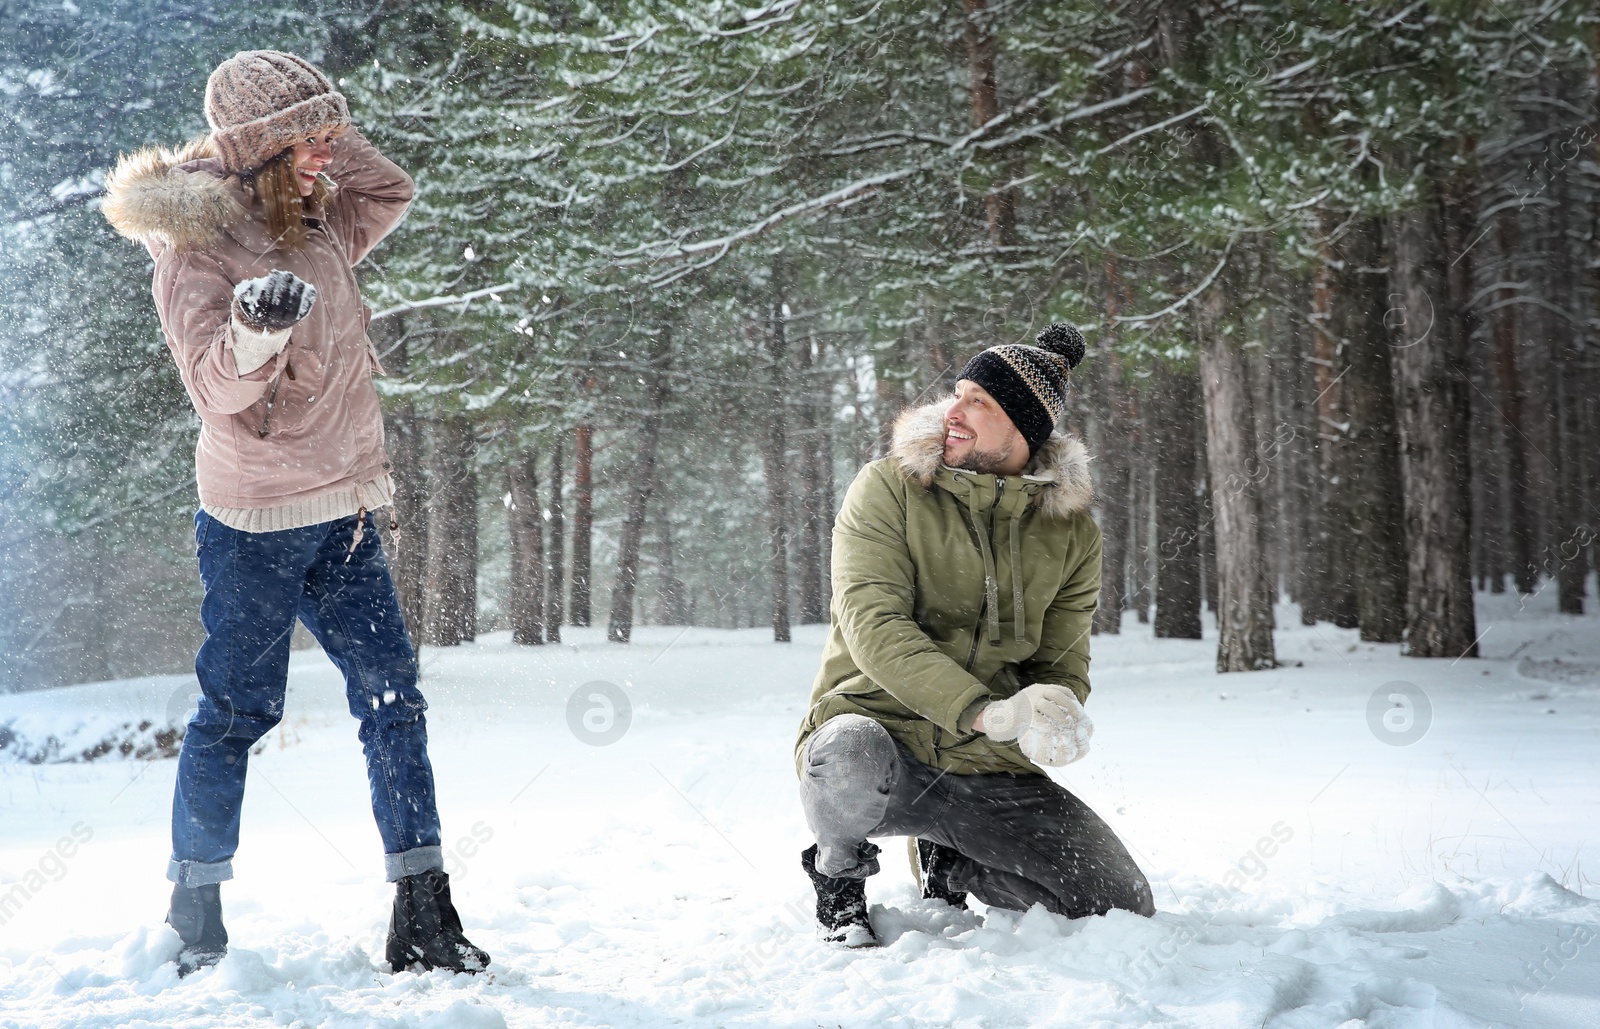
{"points": [[979, 436]]}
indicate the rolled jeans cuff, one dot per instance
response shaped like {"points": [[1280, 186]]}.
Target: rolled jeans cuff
{"points": [[198, 873], [410, 862]]}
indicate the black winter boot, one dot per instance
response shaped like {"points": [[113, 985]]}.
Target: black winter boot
{"points": [[196, 914], [935, 862], [841, 906], [425, 931]]}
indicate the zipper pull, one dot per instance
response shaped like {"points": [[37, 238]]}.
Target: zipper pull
{"points": [[267, 420]]}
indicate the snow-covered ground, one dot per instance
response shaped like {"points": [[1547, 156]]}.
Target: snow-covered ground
{"points": [[1308, 872]]}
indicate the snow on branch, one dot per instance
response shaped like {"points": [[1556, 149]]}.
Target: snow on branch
{"points": [[1075, 114], [882, 140], [444, 300], [1182, 302], [1157, 127], [723, 243]]}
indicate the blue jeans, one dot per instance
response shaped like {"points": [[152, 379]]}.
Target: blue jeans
{"points": [[256, 584]]}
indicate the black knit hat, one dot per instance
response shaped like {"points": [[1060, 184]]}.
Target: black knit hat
{"points": [[1030, 383]]}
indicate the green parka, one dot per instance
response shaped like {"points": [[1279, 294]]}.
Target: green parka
{"points": [[952, 587]]}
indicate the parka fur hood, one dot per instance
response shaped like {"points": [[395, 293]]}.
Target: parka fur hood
{"points": [[178, 198], [1062, 462]]}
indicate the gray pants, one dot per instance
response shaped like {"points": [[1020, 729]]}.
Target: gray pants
{"points": [[1022, 839]]}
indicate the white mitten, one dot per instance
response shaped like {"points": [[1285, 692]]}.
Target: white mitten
{"points": [[1046, 720]]}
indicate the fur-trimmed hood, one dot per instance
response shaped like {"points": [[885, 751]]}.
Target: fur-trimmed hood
{"points": [[1062, 463], [177, 198]]}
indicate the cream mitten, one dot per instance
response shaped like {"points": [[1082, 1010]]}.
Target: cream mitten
{"points": [[1046, 720]]}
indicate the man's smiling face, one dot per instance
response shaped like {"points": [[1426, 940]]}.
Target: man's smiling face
{"points": [[979, 436]]}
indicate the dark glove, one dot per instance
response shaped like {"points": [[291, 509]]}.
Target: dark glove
{"points": [[274, 301]]}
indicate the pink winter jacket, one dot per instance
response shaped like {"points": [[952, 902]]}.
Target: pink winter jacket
{"points": [[307, 423]]}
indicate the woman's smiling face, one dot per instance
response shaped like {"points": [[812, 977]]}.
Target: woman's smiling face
{"points": [[310, 156]]}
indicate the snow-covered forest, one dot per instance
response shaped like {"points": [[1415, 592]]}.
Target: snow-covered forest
{"points": [[672, 269]]}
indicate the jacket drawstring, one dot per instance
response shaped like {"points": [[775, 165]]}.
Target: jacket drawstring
{"points": [[1018, 622], [361, 529], [991, 588]]}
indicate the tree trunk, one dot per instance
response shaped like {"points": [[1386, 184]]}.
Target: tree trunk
{"points": [[1244, 616], [1137, 552], [984, 94], [1112, 446], [1258, 367], [1569, 556], [90, 656], [815, 463], [1376, 532], [1112, 495], [890, 398], [620, 629], [829, 504], [451, 606], [1208, 528], [1278, 434], [555, 577], [942, 367], [582, 524], [1315, 605], [1301, 467], [1519, 509], [674, 595], [777, 475], [525, 588], [1431, 401], [1176, 423], [408, 546], [1489, 532], [1334, 567], [1591, 376]]}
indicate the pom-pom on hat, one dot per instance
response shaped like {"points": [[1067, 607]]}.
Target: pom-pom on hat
{"points": [[260, 102], [1030, 382]]}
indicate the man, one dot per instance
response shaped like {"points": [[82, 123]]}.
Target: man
{"points": [[966, 569]]}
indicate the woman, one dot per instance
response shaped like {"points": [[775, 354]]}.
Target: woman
{"points": [[255, 230]]}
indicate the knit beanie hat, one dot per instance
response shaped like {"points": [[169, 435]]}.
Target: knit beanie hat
{"points": [[260, 102], [1030, 383]]}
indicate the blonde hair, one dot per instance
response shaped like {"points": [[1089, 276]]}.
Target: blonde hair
{"points": [[275, 186]]}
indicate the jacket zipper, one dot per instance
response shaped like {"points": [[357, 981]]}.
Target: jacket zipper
{"points": [[271, 397], [288, 367], [972, 654]]}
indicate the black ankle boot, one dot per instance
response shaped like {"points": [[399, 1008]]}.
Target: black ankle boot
{"points": [[841, 906], [196, 914], [425, 931], [935, 862]]}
